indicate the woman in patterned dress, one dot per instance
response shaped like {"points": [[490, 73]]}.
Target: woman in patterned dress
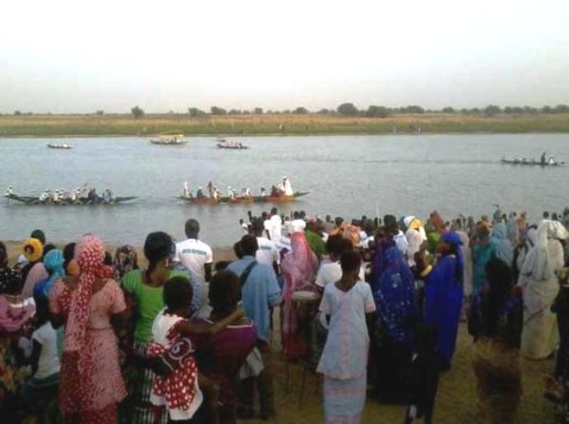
{"points": [[91, 384]]}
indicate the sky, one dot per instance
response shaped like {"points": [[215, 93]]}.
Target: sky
{"points": [[69, 56]]}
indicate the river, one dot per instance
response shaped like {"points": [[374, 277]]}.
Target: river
{"points": [[345, 176]]}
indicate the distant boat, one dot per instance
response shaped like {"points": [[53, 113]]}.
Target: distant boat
{"points": [[169, 140], [232, 146], [63, 146], [237, 200], [33, 200], [532, 162]]}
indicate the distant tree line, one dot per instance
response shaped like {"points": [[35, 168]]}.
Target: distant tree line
{"points": [[349, 109]]}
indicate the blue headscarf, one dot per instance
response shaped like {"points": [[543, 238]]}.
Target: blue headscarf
{"points": [[53, 262], [453, 238], [395, 298], [499, 238]]}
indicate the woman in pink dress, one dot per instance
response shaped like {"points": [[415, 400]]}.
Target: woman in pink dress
{"points": [[91, 384], [299, 268]]}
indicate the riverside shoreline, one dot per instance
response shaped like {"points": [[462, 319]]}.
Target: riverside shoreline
{"points": [[12, 126]]}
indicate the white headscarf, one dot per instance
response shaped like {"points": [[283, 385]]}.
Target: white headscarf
{"points": [[546, 256]]}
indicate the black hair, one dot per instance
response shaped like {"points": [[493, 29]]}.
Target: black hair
{"points": [[338, 221], [249, 245], [38, 235], [238, 250], [157, 247], [108, 259], [47, 248], [192, 227], [545, 214], [224, 292], [350, 261], [68, 254], [178, 293]]}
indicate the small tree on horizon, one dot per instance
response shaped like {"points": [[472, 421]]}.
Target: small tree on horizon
{"points": [[258, 111], [348, 109], [194, 111], [137, 112], [217, 110], [301, 110]]}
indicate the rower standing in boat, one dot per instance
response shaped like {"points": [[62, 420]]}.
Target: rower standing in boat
{"points": [[543, 158], [287, 187], [230, 193], [187, 192], [210, 189]]}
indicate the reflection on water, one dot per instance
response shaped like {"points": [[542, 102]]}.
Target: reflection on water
{"points": [[345, 175]]}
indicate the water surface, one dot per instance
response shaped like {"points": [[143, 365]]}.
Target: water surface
{"points": [[346, 175]]}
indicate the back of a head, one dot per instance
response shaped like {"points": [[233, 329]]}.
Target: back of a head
{"points": [[333, 243], [158, 246], [257, 227], [178, 293], [274, 211], [499, 274], [350, 261], [238, 250], [38, 235], [192, 227], [48, 248], [545, 215], [224, 291], [338, 221], [249, 245]]}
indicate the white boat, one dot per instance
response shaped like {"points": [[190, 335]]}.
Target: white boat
{"points": [[63, 146], [170, 140]]}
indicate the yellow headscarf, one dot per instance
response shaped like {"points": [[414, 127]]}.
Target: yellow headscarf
{"points": [[33, 250]]}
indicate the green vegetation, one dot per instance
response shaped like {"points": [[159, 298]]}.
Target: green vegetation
{"points": [[375, 120]]}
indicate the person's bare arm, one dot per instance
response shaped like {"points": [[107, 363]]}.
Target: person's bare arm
{"points": [[207, 268], [188, 328]]}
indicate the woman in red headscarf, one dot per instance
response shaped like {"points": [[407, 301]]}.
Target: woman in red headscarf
{"points": [[299, 267], [91, 384]]}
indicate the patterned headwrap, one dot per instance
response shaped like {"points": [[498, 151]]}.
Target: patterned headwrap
{"points": [[90, 255], [125, 260], [33, 250]]}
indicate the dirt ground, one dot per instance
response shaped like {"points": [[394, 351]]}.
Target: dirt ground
{"points": [[456, 398]]}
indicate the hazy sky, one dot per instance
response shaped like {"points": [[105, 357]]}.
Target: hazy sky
{"points": [[81, 56]]}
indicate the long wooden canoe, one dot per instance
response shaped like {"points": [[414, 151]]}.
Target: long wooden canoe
{"points": [[243, 200], [32, 200]]}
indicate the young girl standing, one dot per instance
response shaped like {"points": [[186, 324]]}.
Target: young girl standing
{"points": [[344, 359]]}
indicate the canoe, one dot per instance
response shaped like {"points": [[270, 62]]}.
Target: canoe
{"points": [[231, 147], [32, 200], [243, 200], [532, 163], [58, 146], [169, 142]]}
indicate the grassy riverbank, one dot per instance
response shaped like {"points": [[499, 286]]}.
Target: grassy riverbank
{"points": [[281, 124]]}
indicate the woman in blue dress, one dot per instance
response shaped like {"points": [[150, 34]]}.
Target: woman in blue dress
{"points": [[443, 294]]}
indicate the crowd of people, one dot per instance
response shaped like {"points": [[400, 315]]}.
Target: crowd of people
{"points": [[373, 305]]}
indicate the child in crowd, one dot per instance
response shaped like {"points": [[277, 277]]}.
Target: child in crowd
{"points": [[43, 386], [180, 390]]}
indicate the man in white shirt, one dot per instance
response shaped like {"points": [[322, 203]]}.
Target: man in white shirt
{"points": [[194, 254], [267, 253], [276, 224], [297, 224]]}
